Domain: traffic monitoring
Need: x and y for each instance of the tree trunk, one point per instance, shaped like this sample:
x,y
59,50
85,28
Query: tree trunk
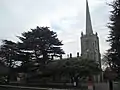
x,y
45,57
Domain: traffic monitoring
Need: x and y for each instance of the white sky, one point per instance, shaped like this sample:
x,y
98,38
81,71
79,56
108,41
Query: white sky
x,y
66,17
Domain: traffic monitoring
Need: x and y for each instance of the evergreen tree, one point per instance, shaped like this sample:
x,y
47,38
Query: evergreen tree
x,y
42,46
8,52
8,55
32,52
114,37
42,43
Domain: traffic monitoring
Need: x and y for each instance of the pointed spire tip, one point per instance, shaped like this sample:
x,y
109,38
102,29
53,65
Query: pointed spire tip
x,y
89,30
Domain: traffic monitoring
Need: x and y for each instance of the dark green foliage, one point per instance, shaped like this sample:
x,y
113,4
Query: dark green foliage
x,y
8,53
114,37
81,68
73,69
42,43
32,52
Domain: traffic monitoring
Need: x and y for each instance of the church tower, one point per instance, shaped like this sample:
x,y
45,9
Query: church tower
x,y
90,41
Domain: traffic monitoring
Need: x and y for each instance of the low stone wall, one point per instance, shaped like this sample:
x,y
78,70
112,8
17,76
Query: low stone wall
x,y
82,86
9,87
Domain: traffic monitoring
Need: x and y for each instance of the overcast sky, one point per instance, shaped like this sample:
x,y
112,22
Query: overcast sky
x,y
66,17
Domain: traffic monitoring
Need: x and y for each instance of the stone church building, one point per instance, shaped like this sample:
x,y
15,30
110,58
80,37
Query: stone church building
x,y
90,41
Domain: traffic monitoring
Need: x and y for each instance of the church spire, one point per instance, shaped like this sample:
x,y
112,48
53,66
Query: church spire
x,y
89,30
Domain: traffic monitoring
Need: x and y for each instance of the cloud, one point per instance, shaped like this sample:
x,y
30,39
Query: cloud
x,y
71,28
66,17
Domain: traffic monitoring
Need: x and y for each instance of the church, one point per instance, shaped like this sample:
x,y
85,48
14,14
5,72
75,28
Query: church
x,y
89,46
90,41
